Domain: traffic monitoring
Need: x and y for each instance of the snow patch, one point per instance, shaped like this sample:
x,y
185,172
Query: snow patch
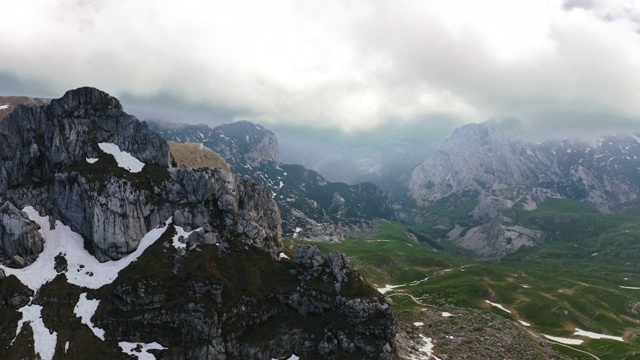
x,y
296,231
282,256
428,347
418,323
85,309
83,269
529,205
593,335
66,347
629,287
44,340
562,340
446,314
292,357
4,107
387,288
92,160
123,158
180,232
498,306
524,323
140,349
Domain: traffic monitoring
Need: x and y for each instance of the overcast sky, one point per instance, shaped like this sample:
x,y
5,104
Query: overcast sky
x,y
351,65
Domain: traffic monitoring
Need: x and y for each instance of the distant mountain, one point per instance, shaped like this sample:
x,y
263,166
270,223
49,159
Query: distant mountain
x,y
108,251
466,188
310,206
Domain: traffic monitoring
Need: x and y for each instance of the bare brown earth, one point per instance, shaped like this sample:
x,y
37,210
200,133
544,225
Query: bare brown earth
x,y
196,155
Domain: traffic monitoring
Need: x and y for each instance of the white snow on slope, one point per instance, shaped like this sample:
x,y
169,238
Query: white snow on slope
x,y
4,107
596,335
85,309
499,306
427,348
123,158
524,323
181,232
44,340
446,314
84,269
629,287
140,349
562,340
92,160
387,288
282,256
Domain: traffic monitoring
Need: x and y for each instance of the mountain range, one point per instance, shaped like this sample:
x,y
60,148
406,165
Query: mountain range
x,y
463,192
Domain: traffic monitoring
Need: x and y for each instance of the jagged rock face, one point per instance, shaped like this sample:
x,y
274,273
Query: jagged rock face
x,y
47,149
36,142
311,207
20,236
224,291
315,310
487,158
497,170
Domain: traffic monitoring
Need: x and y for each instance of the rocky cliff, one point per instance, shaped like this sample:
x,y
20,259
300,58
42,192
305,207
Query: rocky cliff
x,y
311,207
191,262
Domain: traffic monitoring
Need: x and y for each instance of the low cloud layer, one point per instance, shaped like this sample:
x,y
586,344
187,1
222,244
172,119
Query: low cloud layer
x,y
556,66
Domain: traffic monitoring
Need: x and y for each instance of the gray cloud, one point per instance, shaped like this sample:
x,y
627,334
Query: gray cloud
x,y
580,4
355,65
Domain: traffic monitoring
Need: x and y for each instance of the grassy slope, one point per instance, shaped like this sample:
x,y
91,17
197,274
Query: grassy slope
x,y
195,155
557,288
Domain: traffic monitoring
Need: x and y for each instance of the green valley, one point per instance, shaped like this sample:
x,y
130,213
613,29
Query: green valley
x,y
584,278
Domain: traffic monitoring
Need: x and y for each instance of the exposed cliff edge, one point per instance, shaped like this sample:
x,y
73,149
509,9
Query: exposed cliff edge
x,y
201,272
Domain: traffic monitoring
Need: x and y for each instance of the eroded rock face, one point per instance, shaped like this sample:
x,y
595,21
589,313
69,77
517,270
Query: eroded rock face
x,y
37,142
313,306
20,236
46,154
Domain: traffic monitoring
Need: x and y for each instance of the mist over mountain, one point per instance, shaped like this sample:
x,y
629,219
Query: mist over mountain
x,y
377,161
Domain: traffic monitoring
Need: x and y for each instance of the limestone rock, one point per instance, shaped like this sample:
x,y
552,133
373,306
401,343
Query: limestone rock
x,y
20,237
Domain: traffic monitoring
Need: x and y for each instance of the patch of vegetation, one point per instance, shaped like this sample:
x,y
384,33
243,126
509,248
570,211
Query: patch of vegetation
x,y
194,155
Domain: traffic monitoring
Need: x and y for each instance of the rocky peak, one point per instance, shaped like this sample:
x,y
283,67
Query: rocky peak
x,y
244,142
84,98
53,159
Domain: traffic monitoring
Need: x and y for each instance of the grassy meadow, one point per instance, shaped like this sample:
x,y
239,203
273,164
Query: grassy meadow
x,y
586,276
